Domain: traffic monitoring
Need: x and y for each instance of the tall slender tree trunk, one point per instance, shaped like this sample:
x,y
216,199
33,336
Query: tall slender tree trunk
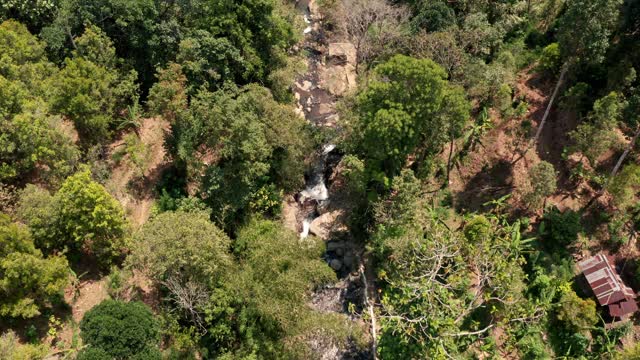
x,y
73,42
616,168
372,314
449,159
535,139
624,154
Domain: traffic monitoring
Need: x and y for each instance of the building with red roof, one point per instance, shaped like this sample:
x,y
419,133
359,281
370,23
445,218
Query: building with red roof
x,y
608,287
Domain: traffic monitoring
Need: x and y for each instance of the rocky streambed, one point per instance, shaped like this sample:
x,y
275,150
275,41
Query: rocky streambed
x,y
319,209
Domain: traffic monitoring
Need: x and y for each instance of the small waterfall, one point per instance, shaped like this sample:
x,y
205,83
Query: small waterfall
x,y
316,189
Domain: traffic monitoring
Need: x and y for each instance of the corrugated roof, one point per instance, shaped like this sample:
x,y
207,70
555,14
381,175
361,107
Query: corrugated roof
x,y
607,285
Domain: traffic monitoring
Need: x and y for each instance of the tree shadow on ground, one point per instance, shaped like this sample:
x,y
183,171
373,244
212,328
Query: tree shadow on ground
x,y
493,182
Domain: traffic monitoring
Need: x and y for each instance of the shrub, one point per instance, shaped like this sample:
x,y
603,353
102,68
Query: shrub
x,y
542,179
267,200
550,58
81,215
560,229
28,281
576,98
119,329
575,313
11,348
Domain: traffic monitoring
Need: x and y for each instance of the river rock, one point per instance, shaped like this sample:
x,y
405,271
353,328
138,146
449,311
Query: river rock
x,y
306,85
323,207
324,109
341,54
334,245
338,79
313,8
323,225
335,264
348,261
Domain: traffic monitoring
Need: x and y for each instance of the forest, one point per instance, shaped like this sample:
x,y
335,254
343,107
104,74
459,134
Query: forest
x,y
319,179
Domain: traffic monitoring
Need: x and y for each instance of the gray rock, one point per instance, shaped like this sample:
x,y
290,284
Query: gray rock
x,y
335,264
338,79
348,261
334,245
341,54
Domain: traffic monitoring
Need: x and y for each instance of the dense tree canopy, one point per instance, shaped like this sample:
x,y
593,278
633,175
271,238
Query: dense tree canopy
x,y
28,280
407,109
81,216
242,140
165,151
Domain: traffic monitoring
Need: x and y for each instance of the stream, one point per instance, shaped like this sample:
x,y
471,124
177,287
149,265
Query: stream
x,y
317,105
318,209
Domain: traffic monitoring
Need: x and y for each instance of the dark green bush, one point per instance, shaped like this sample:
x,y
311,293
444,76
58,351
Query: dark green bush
x,y
120,329
92,353
559,229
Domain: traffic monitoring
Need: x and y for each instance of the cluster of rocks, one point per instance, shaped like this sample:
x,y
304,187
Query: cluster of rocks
x,y
331,73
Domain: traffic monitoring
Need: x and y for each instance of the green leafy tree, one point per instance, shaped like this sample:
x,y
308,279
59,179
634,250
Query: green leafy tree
x,y
120,329
595,136
168,96
28,280
95,46
90,95
81,216
23,58
625,186
35,13
256,142
260,29
210,61
32,142
406,108
550,58
433,16
90,216
268,297
478,36
576,98
560,229
585,29
12,347
35,143
576,313
542,183
184,245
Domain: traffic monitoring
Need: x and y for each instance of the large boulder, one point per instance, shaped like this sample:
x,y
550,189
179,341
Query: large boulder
x,y
338,79
341,54
339,76
325,224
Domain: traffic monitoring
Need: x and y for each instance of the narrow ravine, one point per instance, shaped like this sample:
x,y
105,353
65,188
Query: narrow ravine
x,y
318,210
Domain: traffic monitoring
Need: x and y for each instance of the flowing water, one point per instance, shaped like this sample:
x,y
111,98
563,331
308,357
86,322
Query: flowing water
x,y
318,107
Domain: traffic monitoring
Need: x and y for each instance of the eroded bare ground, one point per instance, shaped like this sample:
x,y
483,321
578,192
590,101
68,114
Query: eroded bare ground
x,y
489,172
135,189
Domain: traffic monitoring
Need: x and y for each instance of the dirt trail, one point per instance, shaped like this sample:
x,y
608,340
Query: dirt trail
x,y
135,188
